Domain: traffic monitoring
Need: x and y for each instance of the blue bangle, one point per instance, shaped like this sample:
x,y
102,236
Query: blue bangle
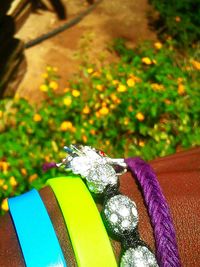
x,y
37,237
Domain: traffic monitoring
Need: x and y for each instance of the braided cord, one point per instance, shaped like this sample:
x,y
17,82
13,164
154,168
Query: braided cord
x,y
164,232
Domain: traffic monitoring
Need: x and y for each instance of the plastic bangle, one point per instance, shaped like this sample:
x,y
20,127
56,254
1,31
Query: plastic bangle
x,y
86,230
37,238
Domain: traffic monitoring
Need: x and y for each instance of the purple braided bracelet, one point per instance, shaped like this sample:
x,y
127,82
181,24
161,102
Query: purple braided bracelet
x,y
164,232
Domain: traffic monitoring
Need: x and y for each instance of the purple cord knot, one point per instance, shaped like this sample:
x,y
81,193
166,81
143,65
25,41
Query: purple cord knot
x,y
48,165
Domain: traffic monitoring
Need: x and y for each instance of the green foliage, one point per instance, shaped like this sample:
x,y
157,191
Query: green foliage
x,y
147,104
179,19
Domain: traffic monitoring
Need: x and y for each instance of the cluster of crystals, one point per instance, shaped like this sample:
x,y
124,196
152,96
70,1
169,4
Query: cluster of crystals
x,y
91,165
119,211
140,256
100,176
121,214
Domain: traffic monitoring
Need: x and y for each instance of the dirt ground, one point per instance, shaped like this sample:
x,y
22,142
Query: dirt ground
x,y
87,40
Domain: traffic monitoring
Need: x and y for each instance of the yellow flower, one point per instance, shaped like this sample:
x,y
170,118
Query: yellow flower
x,y
126,121
180,80
104,111
67,89
37,117
84,138
90,70
75,93
96,74
13,181
99,87
146,60
5,187
108,76
86,110
121,88
23,171
112,106
113,97
45,75
196,64
67,101
44,88
130,82
93,132
158,45
97,114
91,121
130,108
32,177
2,182
107,142
135,78
53,85
4,204
140,116
49,68
157,87
66,125
1,114
177,19
181,89
141,143
4,166
115,82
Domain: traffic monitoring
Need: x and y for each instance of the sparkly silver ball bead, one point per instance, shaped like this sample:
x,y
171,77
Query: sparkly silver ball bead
x,y
140,256
100,176
120,214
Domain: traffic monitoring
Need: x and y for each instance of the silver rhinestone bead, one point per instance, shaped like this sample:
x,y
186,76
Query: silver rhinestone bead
x,y
138,257
101,175
126,212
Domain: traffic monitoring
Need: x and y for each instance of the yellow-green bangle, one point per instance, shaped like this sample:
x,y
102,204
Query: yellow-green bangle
x,y
86,230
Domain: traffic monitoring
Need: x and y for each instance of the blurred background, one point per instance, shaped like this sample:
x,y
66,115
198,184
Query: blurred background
x,y
120,75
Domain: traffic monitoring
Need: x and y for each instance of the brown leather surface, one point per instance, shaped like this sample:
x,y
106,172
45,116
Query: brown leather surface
x,y
179,177
59,224
10,253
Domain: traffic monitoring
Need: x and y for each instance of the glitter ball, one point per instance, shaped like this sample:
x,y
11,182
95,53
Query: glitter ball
x,y
138,257
126,212
100,176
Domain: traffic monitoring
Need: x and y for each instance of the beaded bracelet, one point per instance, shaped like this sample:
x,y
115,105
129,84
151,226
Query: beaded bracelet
x,y
119,212
37,237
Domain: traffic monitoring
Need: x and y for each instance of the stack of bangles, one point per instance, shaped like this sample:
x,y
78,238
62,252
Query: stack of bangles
x,y
95,175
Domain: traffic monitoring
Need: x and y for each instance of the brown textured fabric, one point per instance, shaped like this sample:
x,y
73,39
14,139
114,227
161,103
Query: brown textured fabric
x,y
179,177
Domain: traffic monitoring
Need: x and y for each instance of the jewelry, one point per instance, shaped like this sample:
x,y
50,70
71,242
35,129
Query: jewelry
x,y
37,238
119,212
87,232
159,213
